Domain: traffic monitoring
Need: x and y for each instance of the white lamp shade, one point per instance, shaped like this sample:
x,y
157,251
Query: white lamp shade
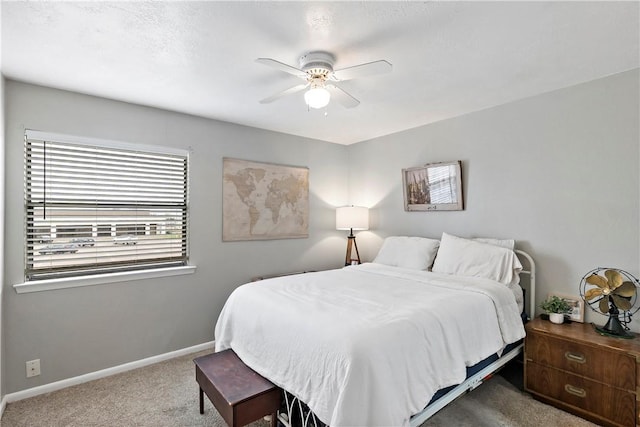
x,y
317,97
352,217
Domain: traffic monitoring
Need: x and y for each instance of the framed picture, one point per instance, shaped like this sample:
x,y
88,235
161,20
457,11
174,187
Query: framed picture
x,y
264,201
577,305
433,187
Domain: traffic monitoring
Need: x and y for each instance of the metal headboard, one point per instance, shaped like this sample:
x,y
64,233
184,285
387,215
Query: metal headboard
x,y
532,280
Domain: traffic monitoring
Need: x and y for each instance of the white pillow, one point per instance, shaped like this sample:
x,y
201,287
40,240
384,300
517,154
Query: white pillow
x,y
408,252
505,243
467,257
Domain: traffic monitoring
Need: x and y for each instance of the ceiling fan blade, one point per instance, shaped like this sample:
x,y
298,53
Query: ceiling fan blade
x,y
289,91
362,70
340,95
282,67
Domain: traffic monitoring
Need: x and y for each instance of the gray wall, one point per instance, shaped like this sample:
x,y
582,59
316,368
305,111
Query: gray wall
x,y
557,172
81,330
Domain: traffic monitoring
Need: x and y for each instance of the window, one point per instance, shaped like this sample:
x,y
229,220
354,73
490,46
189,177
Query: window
x,y
101,206
442,184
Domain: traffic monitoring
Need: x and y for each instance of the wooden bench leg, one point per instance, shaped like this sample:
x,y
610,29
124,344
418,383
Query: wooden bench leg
x,y
201,401
274,419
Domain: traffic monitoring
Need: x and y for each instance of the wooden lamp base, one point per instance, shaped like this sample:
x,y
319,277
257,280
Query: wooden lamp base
x,y
351,242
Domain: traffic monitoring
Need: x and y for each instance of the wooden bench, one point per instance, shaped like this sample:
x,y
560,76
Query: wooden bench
x,y
239,394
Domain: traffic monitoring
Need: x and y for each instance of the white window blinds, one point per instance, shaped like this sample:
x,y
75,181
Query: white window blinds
x,y
99,207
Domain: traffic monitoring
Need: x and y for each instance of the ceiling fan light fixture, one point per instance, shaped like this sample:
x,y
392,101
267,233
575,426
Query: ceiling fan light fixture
x,y
317,97
317,69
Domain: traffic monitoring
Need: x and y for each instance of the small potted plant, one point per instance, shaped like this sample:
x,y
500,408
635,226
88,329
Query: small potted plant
x,y
556,307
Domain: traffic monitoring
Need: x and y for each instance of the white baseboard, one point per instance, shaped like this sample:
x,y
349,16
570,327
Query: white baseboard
x,y
58,385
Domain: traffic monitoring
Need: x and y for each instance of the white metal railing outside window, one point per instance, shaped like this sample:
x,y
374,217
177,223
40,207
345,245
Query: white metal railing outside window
x,y
97,206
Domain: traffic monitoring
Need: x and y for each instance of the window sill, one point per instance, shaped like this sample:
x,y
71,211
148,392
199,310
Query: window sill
x,y
100,279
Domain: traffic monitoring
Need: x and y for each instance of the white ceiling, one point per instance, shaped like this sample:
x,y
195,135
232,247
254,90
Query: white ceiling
x,y
449,58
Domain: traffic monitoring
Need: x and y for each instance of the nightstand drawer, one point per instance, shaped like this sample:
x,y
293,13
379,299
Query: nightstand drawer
x,y
569,391
609,367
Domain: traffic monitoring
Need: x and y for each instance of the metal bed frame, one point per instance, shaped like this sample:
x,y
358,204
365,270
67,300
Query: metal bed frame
x,y
297,413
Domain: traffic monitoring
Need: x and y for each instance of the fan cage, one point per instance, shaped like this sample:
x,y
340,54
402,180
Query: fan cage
x,y
624,316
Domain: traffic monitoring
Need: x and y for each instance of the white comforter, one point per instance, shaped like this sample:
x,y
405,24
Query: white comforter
x,y
368,344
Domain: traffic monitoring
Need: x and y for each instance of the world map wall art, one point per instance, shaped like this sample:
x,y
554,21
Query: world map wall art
x,y
262,201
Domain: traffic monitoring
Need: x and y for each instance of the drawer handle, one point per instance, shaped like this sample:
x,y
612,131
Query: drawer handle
x,y
576,391
575,357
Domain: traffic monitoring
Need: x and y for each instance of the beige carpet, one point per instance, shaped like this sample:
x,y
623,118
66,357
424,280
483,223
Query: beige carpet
x,y
166,394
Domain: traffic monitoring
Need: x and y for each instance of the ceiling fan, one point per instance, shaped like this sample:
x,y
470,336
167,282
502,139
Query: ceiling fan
x,y
316,68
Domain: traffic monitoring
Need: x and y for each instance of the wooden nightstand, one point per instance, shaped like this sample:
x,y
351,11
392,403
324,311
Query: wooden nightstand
x,y
574,368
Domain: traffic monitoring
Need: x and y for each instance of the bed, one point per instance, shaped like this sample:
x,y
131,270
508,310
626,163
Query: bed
x,y
383,343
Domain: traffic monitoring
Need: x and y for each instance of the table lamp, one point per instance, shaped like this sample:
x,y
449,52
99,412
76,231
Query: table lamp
x,y
352,218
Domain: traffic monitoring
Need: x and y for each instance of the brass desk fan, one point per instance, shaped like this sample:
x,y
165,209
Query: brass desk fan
x,y
613,294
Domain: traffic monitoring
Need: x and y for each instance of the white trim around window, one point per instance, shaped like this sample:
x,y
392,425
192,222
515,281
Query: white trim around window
x,y
101,211
101,279
37,135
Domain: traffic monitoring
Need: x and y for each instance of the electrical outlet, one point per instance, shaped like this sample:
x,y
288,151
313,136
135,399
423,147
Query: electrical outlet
x,y
33,368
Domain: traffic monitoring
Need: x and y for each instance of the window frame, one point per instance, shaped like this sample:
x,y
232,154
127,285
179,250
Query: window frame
x,y
126,273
